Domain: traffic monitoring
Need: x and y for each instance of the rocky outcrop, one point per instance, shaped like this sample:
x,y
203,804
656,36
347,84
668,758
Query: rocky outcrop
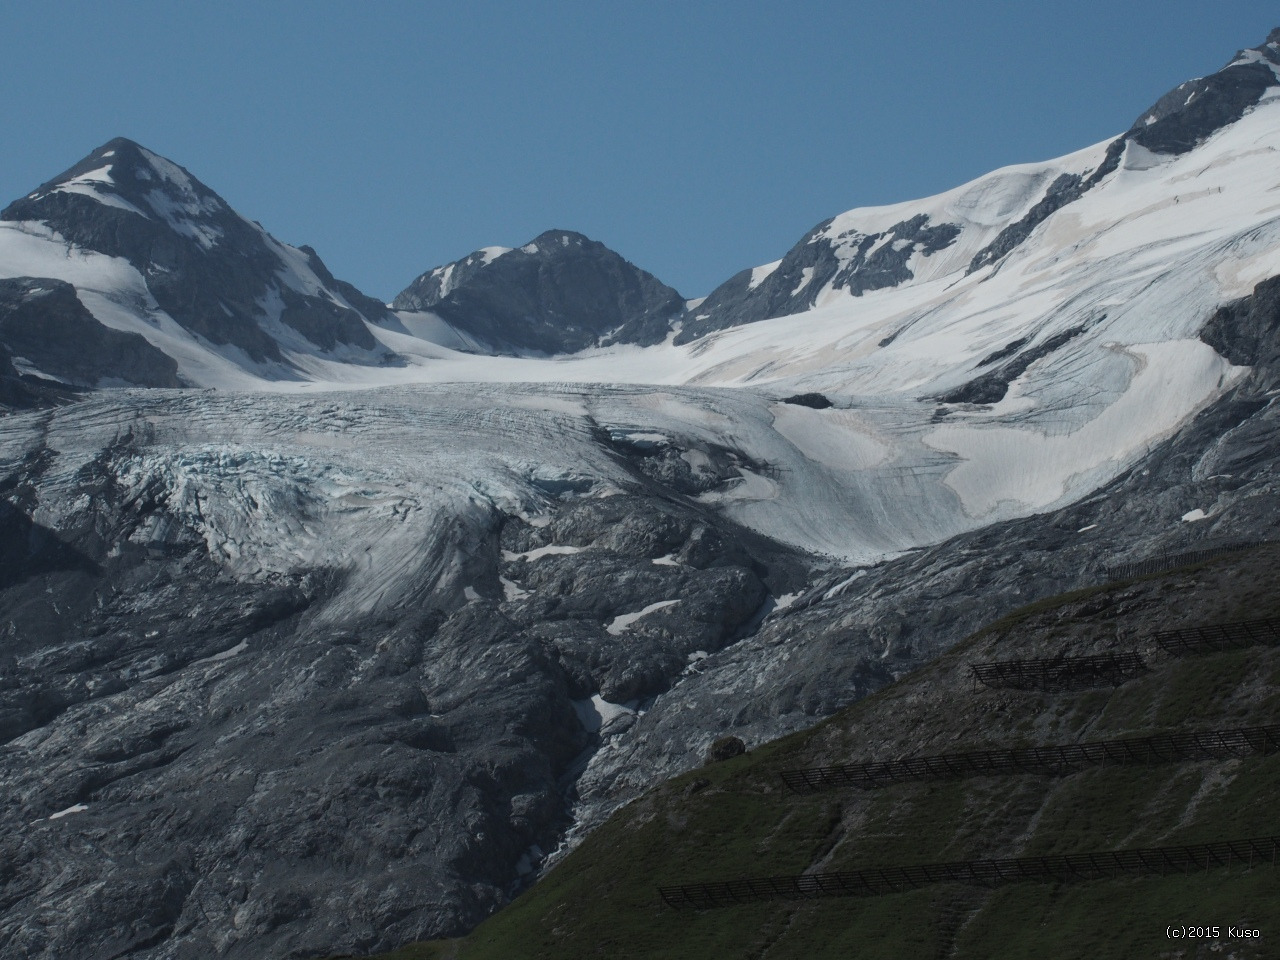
x,y
47,329
853,261
1192,112
1013,361
1187,115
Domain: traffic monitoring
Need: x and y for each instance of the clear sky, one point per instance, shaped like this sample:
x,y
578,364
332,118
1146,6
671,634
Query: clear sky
x,y
696,139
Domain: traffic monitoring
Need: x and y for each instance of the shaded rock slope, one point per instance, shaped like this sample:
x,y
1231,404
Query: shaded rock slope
x,y
47,329
208,748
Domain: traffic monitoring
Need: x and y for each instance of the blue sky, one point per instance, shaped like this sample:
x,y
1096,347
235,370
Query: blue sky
x,y
694,138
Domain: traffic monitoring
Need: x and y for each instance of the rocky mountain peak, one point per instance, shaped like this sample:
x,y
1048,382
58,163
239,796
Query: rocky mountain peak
x,y
218,275
550,242
558,293
126,176
1268,50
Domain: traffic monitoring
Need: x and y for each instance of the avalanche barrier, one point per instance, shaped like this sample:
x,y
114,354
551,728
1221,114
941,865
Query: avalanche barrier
x,y
1169,561
1223,636
986,873
1054,760
1060,673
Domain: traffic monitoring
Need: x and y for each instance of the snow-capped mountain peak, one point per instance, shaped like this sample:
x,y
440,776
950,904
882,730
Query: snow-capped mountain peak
x,y
127,176
153,251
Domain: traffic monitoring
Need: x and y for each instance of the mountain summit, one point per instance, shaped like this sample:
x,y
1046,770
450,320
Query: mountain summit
x,y
559,293
166,255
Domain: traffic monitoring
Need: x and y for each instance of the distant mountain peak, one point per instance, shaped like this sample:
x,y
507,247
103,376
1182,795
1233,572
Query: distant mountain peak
x,y
558,293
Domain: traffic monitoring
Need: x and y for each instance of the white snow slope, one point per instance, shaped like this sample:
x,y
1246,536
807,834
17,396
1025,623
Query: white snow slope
x,y
377,463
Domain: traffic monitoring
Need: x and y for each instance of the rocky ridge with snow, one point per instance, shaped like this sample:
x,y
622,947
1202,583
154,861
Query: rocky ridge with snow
x,y
45,328
334,657
863,250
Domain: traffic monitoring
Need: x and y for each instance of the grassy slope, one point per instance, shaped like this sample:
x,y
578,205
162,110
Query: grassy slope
x,y
735,818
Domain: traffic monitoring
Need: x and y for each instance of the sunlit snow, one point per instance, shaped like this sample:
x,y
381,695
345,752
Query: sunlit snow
x,y
74,808
553,550
596,712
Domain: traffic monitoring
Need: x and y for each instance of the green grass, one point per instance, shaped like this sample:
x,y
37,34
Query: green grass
x,y
1120,918
1048,604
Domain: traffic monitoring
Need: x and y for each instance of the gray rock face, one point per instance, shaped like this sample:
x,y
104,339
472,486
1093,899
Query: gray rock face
x,y
200,763
559,293
215,273
44,324
1065,189
1247,332
877,261
1193,111
21,391
992,385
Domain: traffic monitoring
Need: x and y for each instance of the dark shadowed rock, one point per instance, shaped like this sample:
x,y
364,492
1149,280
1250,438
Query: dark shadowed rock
x,y
1247,332
725,748
991,387
43,323
815,401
